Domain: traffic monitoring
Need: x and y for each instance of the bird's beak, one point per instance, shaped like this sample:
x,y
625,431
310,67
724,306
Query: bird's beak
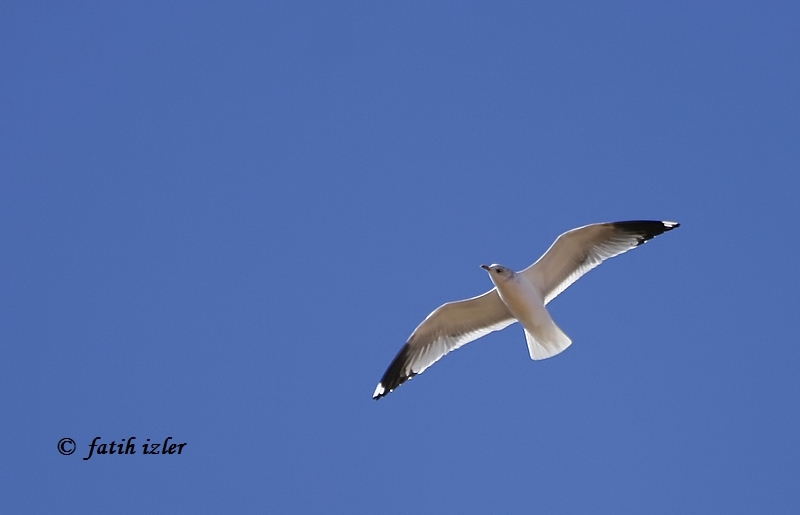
x,y
485,267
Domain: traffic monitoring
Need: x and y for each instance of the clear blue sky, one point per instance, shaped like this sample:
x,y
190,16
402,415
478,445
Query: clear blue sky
x,y
220,222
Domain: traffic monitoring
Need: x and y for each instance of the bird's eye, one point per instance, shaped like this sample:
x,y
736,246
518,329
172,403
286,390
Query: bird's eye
x,y
498,271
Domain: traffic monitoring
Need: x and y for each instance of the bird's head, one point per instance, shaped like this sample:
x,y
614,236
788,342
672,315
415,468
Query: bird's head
x,y
498,273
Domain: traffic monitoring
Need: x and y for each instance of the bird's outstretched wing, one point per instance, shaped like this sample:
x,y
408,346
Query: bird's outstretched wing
x,y
449,327
577,251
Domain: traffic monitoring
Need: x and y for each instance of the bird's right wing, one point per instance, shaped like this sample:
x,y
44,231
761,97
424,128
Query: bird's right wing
x,y
449,327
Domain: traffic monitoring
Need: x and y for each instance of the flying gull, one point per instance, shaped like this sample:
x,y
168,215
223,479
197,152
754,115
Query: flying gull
x,y
518,297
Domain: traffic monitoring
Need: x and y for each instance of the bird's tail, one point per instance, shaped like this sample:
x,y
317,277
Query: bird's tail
x,y
546,340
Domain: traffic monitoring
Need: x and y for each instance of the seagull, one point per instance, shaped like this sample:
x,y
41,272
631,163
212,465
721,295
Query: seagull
x,y
518,297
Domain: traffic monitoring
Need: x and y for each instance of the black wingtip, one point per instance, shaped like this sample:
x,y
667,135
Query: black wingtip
x,y
645,229
395,375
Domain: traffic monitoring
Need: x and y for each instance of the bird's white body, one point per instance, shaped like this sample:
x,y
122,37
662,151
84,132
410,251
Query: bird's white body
x,y
526,303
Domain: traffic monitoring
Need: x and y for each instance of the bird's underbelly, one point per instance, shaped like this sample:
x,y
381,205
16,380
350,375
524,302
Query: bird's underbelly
x,y
523,302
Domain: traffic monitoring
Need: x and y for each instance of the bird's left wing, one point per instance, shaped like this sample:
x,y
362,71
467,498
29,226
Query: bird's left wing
x,y
449,327
577,251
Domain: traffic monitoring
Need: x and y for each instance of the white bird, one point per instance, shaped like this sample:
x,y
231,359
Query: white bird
x,y
518,297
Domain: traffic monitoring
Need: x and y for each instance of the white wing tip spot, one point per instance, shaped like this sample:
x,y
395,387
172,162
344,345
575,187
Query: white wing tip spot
x,y
379,390
669,224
